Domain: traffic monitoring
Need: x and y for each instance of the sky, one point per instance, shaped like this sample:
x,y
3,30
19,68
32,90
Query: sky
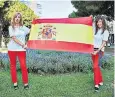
x,y
56,9
53,8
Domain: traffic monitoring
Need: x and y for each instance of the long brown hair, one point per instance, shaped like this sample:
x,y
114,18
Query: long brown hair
x,y
103,24
13,20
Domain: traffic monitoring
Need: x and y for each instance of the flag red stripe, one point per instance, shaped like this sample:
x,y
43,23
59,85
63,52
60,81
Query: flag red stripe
x,y
81,20
60,46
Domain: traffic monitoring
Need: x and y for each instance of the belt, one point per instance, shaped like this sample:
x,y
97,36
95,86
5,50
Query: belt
x,y
96,48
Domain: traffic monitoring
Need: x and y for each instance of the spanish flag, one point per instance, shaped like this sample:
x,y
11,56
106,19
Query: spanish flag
x,y
62,34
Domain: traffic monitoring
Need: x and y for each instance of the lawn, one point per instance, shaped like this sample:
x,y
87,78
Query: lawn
x,y
60,85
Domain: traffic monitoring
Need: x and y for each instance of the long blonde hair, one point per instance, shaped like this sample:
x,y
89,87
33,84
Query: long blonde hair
x,y
13,20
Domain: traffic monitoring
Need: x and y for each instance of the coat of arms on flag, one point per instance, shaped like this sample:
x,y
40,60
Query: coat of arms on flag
x,y
47,32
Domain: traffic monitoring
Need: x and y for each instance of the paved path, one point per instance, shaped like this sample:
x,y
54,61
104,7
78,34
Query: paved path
x,y
109,50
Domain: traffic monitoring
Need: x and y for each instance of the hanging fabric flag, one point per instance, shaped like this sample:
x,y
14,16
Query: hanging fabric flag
x,y
63,34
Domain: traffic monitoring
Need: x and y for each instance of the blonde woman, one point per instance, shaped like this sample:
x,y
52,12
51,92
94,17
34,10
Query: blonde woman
x,y
17,48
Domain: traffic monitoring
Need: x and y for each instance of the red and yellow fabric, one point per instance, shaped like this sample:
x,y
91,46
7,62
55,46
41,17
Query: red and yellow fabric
x,y
64,34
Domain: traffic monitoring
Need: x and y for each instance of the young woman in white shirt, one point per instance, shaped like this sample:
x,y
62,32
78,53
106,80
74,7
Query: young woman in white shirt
x,y
17,48
100,38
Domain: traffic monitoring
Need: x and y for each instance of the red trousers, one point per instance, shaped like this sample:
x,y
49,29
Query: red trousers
x,y
22,59
96,68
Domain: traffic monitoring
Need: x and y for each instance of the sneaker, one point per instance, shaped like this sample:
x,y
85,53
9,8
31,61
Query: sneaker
x,y
101,84
26,87
96,89
16,87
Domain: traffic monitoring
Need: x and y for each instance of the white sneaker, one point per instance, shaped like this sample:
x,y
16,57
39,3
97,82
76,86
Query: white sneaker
x,y
96,88
101,84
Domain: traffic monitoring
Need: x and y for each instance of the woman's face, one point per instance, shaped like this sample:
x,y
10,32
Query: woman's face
x,y
99,23
17,19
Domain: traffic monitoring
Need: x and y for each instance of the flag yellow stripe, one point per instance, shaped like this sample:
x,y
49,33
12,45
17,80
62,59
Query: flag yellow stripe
x,y
67,32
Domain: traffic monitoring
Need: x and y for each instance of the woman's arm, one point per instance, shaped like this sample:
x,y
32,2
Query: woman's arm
x,y
26,30
13,36
102,45
17,41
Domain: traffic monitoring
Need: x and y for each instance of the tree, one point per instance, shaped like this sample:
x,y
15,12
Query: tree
x,y
1,6
17,6
73,14
1,3
87,8
7,10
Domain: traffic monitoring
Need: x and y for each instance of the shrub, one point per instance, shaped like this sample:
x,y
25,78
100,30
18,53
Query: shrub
x,y
53,62
108,62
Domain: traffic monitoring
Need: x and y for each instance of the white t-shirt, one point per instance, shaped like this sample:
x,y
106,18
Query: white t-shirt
x,y
98,38
19,33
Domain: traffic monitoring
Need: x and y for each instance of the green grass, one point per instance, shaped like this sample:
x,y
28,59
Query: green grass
x,y
63,85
